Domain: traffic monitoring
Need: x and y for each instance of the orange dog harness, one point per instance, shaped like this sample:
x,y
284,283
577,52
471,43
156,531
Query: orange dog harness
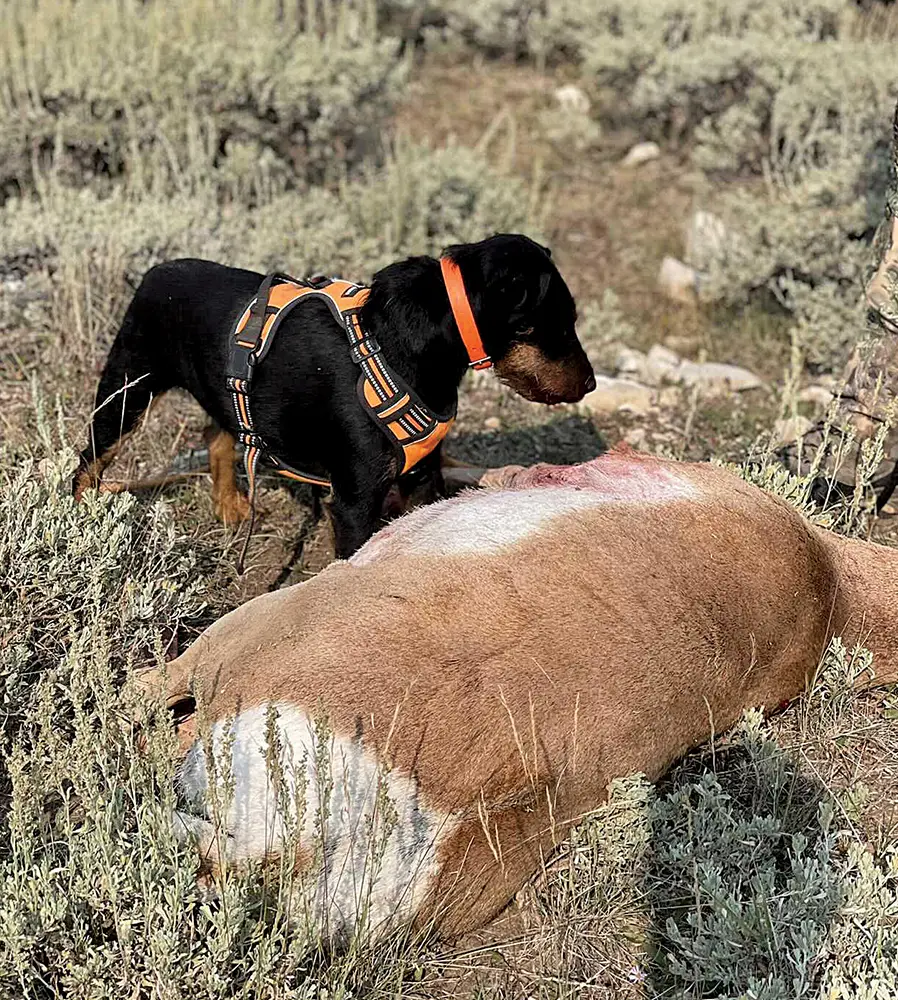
x,y
413,428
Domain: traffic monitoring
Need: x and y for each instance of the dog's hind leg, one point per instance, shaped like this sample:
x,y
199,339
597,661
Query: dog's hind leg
x,y
231,506
132,378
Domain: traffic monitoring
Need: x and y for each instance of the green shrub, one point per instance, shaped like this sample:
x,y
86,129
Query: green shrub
x,y
418,202
99,896
735,877
109,571
775,89
108,87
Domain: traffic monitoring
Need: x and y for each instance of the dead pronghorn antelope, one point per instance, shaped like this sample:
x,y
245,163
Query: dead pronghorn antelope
x,y
490,663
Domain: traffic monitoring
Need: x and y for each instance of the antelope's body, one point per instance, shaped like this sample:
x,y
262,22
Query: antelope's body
x,y
490,663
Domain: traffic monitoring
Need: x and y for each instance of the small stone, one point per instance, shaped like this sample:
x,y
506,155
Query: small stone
x,y
572,98
819,395
492,424
789,430
682,343
678,281
713,377
661,365
635,437
613,394
641,153
629,362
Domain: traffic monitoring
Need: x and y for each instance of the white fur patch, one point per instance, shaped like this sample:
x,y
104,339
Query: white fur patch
x,y
492,520
371,841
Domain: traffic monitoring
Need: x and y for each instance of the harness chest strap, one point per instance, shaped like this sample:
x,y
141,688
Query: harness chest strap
x,y
413,428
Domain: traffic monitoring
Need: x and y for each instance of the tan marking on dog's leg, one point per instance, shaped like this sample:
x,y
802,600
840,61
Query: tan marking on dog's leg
x,y
231,506
91,476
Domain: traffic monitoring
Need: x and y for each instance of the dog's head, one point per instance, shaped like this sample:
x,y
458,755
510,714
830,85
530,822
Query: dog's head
x,y
526,316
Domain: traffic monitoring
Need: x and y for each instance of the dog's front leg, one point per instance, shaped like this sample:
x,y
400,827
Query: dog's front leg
x,y
231,506
356,511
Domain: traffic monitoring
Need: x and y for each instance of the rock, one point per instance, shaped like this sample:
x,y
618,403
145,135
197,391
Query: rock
x,y
678,281
492,424
682,343
819,395
572,98
712,377
661,365
641,153
630,362
670,397
789,430
635,437
706,240
612,394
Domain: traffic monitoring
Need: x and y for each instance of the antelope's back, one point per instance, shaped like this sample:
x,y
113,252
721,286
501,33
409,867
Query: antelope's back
x,y
625,586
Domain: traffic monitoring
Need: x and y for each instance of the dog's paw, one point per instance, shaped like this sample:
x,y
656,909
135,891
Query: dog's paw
x,y
232,508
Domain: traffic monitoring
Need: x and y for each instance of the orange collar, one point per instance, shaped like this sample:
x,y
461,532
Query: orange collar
x,y
464,317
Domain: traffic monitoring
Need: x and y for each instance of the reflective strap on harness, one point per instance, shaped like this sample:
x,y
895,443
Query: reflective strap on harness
x,y
243,358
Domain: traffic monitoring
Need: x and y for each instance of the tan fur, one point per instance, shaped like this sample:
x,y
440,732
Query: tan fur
x,y
535,377
605,644
91,477
231,506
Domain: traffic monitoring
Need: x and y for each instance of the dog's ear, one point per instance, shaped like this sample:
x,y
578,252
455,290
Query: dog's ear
x,y
514,292
522,296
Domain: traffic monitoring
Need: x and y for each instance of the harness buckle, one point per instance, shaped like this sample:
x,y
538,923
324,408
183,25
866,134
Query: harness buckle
x,y
250,439
485,362
241,384
371,346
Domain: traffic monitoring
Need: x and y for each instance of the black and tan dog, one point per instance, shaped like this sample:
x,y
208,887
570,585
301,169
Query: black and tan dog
x,y
360,413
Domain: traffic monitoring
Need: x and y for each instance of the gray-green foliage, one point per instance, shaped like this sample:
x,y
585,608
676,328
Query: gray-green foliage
x,y
420,201
785,91
752,915
749,81
805,243
109,86
108,573
749,883
99,896
603,328
789,94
